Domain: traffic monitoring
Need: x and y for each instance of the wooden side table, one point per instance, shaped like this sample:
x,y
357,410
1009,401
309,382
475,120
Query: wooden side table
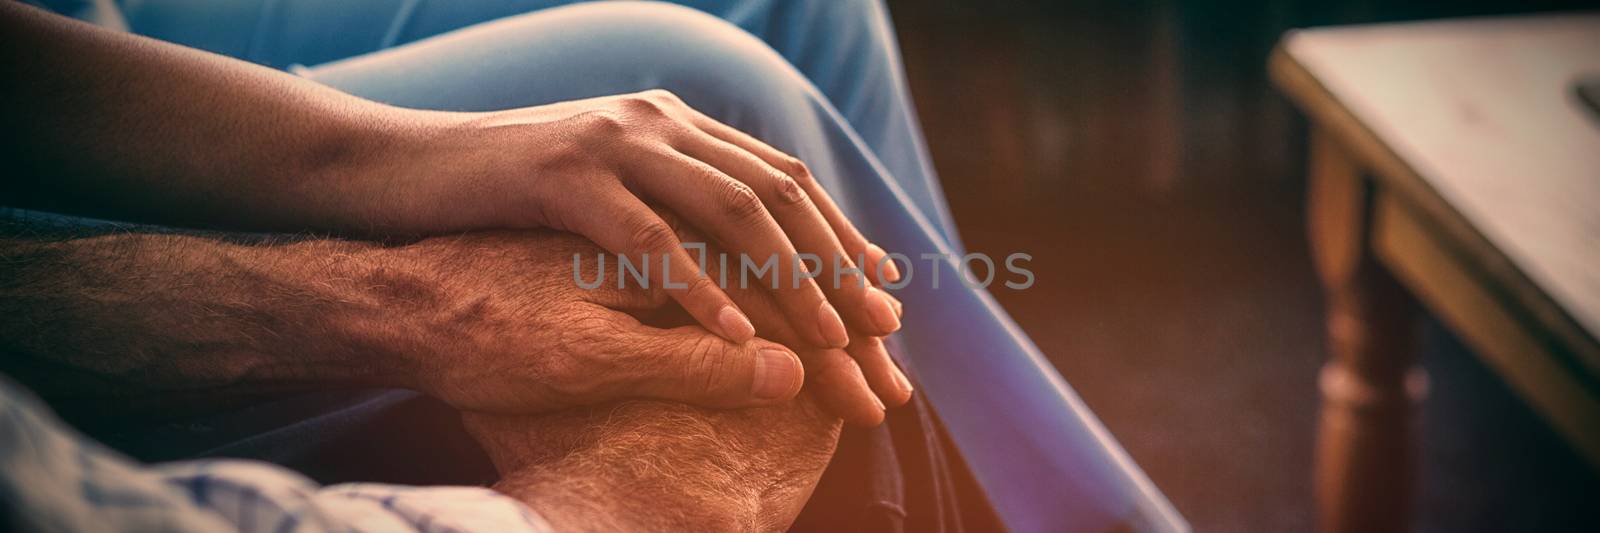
x,y
1452,166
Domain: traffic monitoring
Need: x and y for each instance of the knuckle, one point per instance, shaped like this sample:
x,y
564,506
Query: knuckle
x,y
644,105
797,169
654,236
572,380
578,370
663,97
705,365
789,190
741,202
605,123
566,372
700,289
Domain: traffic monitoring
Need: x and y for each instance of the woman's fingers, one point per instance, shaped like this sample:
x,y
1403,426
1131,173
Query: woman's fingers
x,y
856,391
655,253
732,213
768,318
881,267
836,379
885,378
844,283
849,237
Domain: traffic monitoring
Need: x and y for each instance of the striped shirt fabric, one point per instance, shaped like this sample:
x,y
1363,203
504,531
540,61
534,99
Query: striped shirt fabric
x,y
54,479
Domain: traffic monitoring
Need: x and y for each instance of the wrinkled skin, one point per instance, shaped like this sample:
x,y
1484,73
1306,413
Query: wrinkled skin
x,y
654,466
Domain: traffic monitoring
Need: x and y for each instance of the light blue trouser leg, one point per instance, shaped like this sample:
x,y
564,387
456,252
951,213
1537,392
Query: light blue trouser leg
x,y
1042,458
846,48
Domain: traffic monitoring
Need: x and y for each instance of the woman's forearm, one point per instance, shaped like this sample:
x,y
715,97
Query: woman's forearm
x,y
119,126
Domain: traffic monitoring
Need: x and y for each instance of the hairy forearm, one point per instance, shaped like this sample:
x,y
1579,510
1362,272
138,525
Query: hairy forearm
x,y
120,126
660,466
679,472
150,316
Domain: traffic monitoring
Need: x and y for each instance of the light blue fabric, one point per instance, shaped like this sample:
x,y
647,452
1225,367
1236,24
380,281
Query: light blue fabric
x,y
819,79
105,13
52,479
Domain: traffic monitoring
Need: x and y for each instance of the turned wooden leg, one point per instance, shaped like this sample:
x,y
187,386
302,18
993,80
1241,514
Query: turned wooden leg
x,y
1370,385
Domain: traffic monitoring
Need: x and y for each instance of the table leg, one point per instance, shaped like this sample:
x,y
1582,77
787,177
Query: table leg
x,y
1370,385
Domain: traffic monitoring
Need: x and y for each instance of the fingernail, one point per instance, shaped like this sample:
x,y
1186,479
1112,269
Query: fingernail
x,y
891,271
831,327
735,325
899,308
882,311
776,374
905,383
878,401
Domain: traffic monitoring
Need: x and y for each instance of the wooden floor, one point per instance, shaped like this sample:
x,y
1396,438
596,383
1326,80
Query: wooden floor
x,y
1136,150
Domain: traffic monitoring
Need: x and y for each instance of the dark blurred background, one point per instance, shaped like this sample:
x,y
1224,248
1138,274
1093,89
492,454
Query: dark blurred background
x,y
1138,151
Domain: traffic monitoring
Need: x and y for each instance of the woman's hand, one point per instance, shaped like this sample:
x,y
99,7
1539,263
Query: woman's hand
x,y
596,167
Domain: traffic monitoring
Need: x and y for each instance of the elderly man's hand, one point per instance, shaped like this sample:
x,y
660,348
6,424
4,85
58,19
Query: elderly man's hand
x,y
531,339
505,327
652,466
485,321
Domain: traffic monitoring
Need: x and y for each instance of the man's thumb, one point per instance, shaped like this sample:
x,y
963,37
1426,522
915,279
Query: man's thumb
x,y
700,368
